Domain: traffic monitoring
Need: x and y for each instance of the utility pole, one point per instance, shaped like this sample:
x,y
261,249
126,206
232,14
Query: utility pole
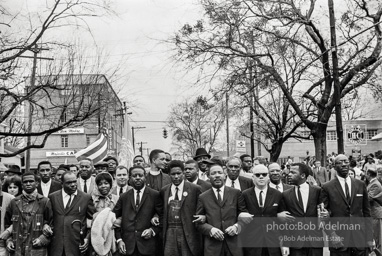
x,y
141,147
35,51
336,80
227,121
132,134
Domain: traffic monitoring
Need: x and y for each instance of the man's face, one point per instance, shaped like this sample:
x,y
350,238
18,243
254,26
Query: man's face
x,y
341,165
59,174
294,176
138,178
176,175
29,184
260,177
86,169
370,160
167,160
247,163
70,183
190,172
275,174
112,165
202,166
121,177
217,176
159,162
100,169
74,170
45,172
139,161
317,164
233,169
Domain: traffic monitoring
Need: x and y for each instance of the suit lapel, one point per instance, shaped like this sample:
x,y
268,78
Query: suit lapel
x,y
213,195
353,190
166,197
60,201
185,189
253,198
74,202
268,198
144,196
225,195
310,197
337,184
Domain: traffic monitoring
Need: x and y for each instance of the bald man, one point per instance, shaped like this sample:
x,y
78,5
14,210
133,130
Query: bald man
x,y
274,170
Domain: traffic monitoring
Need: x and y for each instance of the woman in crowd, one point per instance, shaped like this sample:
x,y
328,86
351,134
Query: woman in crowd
x,y
12,185
102,234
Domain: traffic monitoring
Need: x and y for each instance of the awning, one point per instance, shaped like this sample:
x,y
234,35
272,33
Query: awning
x,y
377,137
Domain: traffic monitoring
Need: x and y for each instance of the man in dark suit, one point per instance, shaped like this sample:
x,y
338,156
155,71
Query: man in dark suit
x,y
70,204
263,202
275,178
320,174
180,200
156,179
86,181
137,236
221,205
47,184
233,179
345,197
300,203
121,181
191,171
200,155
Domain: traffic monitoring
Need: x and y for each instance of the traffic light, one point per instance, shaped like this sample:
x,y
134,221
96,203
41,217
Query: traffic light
x,y
164,133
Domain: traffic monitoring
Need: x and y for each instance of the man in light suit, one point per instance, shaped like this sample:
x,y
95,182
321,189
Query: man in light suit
x,y
345,197
191,172
221,205
180,200
374,190
320,174
70,204
301,202
275,178
233,179
86,181
263,202
47,184
137,235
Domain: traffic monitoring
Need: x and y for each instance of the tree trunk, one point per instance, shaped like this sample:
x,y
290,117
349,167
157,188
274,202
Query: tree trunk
x,y
319,135
275,151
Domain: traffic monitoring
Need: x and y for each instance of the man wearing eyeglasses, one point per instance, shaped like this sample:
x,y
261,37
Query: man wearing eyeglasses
x,y
47,185
346,199
234,180
263,202
275,178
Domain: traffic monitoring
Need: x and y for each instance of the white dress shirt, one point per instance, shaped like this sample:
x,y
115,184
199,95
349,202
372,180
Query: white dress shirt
x,y
280,186
304,189
82,184
203,176
342,182
124,188
140,194
45,187
257,192
196,181
173,190
236,183
65,197
221,192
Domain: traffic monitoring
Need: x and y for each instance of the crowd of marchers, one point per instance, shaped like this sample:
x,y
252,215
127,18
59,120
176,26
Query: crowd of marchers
x,y
202,206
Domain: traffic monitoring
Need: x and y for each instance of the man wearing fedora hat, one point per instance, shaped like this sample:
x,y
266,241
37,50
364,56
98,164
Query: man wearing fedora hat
x,y
13,170
200,155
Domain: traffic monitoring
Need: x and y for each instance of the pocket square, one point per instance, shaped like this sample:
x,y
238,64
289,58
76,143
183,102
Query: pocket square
x,y
359,195
275,205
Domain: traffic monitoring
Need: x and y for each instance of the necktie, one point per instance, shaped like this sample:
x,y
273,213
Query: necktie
x,y
176,193
233,184
121,191
138,200
219,196
300,198
68,203
347,192
85,187
261,199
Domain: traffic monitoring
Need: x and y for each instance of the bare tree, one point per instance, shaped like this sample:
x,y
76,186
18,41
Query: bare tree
x,y
300,31
195,125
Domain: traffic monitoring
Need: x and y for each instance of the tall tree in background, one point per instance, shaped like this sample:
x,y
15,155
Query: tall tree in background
x,y
196,124
301,30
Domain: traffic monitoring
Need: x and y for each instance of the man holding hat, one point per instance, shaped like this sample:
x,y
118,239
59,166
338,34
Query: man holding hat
x,y
200,155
